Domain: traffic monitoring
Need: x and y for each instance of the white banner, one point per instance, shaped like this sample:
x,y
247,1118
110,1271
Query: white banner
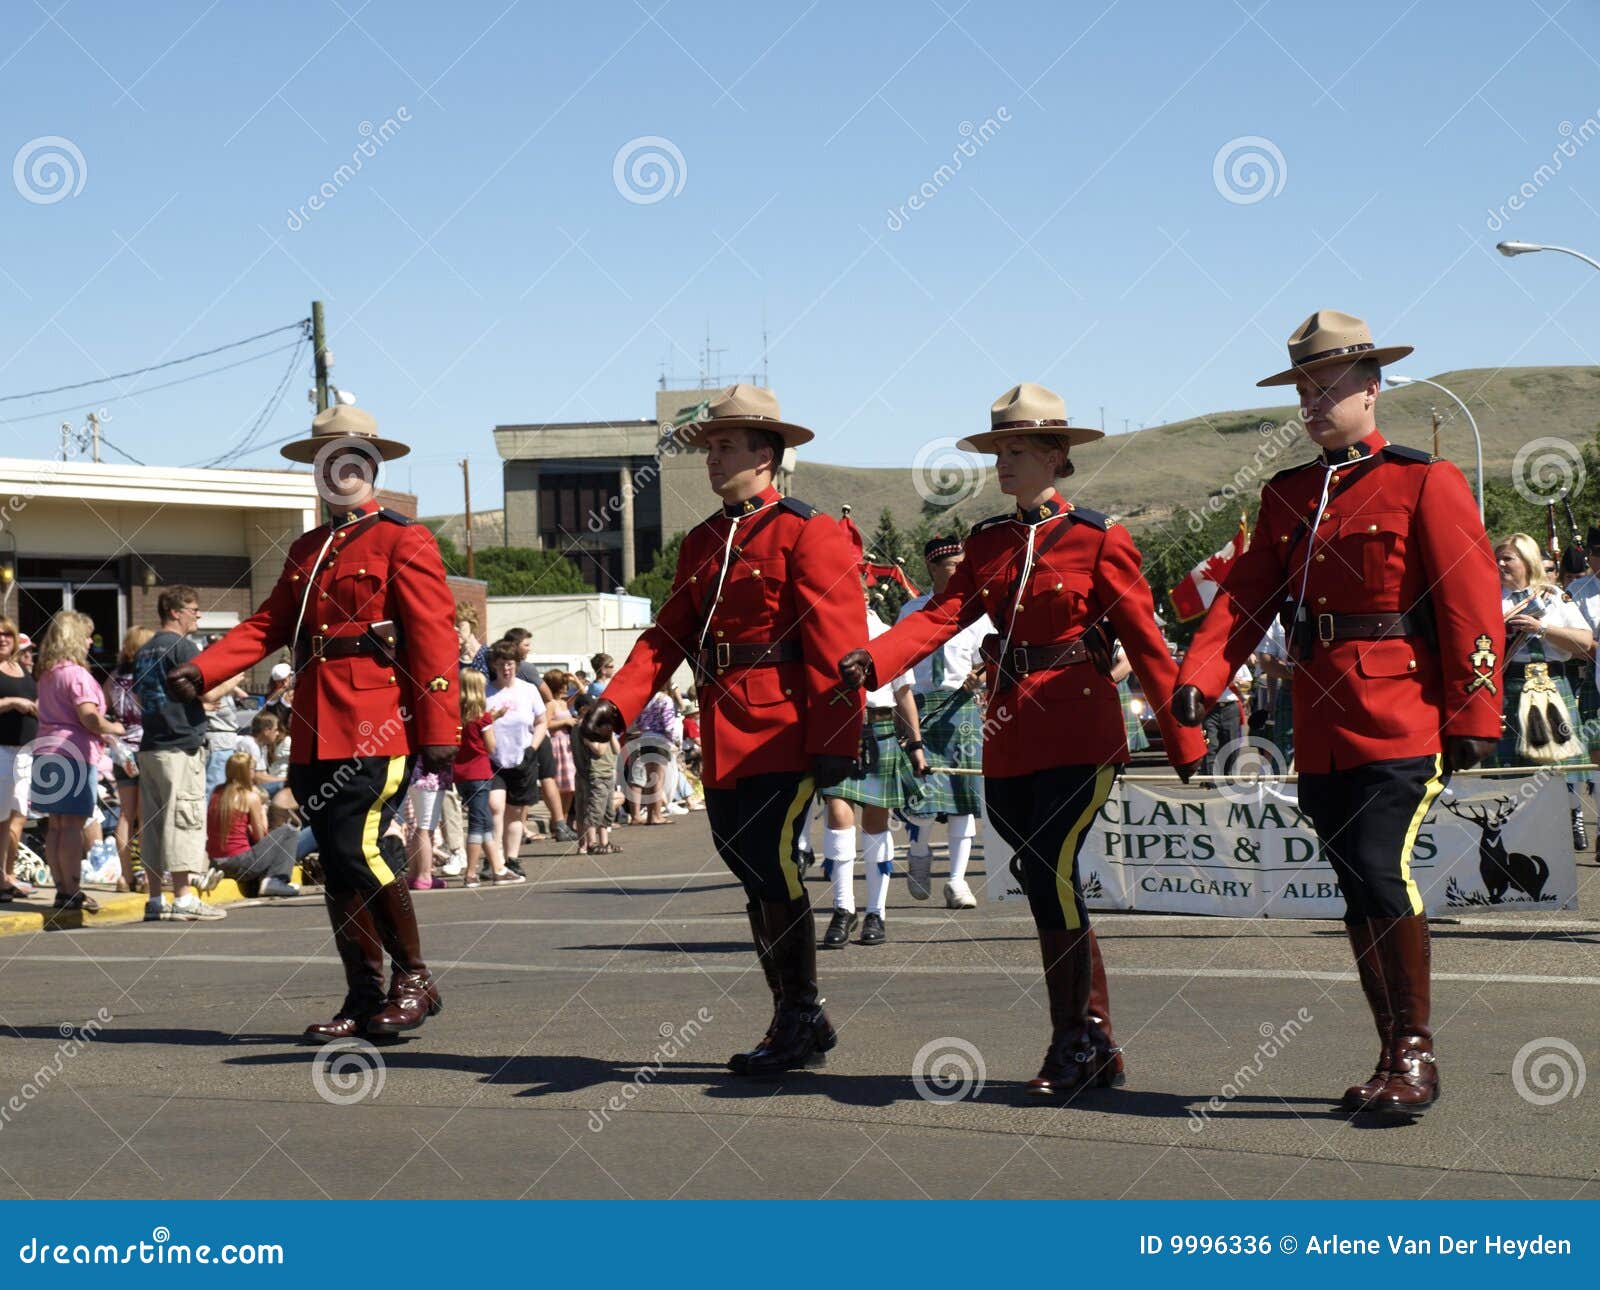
x,y
1248,852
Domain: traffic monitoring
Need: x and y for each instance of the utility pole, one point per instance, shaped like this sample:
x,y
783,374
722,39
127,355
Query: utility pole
x,y
94,436
1102,418
466,489
319,354
1437,421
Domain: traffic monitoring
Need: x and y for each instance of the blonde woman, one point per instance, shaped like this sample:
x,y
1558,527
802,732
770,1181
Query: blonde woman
x,y
238,842
72,724
19,725
123,705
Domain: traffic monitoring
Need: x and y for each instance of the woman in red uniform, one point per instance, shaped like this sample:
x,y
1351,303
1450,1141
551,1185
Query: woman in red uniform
x,y
1059,582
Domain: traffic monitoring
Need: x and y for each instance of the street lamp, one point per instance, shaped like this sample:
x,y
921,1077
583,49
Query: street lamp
x,y
1522,248
1477,439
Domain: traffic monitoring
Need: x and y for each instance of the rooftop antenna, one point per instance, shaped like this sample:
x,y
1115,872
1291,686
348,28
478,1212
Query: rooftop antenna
x,y
711,369
766,382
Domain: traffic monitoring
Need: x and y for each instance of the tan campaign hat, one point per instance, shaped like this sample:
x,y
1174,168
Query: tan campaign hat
x,y
750,407
1028,409
1329,336
343,422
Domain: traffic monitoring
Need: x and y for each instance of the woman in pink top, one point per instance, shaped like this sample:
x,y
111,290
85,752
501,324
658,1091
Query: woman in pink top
x,y
66,755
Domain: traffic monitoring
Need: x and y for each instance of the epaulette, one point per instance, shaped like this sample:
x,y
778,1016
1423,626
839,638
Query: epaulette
x,y
1407,454
803,509
1291,470
394,517
1096,519
991,522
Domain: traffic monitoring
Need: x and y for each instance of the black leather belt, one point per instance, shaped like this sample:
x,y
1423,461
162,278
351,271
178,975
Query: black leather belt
x,y
1020,660
714,662
379,640
1326,628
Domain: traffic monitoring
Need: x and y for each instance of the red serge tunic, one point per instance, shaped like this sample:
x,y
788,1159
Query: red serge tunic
x,y
1373,528
367,566
764,570
1079,568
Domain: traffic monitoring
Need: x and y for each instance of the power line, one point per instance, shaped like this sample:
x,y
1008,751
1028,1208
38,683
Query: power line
x,y
268,409
165,385
155,367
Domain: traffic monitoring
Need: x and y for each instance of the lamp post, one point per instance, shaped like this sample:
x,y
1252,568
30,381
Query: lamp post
x,y
1523,248
1477,439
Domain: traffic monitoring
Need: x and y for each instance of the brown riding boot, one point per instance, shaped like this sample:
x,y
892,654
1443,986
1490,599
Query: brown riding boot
x,y
413,996
1404,956
1073,1060
1100,1011
355,935
801,1032
1358,1097
758,932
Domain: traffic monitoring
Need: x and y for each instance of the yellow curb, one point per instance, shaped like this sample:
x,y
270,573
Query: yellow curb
x,y
116,908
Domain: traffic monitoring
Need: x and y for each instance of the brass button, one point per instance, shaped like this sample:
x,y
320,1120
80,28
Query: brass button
x,y
719,633
324,626
1322,600
1087,690
1320,557
1058,586
787,692
721,670
360,570
1372,528
294,577
694,577
1335,479
1023,643
324,595
1284,538
1411,663
391,678
755,573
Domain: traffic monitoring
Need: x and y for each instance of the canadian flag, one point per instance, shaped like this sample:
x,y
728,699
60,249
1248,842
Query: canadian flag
x,y
1194,594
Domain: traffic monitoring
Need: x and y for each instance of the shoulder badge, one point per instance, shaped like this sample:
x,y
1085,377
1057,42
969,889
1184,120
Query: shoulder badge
x,y
394,517
794,505
1401,453
439,683
1095,519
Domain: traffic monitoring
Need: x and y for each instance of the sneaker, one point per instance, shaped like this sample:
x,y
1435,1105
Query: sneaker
x,y
957,895
677,808
157,911
212,877
919,869
191,909
564,832
455,864
277,887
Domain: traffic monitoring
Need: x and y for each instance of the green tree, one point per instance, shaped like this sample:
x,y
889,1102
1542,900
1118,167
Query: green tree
x,y
1175,548
656,581
516,570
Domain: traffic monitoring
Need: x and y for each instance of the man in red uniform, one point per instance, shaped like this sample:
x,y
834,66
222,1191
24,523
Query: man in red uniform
x,y
765,597
1058,581
363,602
1376,559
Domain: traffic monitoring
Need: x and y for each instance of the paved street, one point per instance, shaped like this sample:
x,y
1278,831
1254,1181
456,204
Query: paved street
x,y
561,992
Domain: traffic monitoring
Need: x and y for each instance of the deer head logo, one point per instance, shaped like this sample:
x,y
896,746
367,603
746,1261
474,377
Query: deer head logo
x,y
1498,869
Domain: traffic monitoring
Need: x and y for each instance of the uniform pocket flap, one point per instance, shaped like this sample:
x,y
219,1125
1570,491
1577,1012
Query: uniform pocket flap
x,y
1385,658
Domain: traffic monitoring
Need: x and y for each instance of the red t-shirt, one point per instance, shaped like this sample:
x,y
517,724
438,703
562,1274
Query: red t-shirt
x,y
238,840
472,758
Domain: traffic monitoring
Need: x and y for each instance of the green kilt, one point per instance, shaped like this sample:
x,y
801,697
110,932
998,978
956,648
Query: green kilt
x,y
1132,726
1505,753
891,782
952,735
1589,710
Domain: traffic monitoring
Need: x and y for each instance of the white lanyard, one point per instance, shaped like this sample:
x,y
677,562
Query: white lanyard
x,y
316,567
722,576
1016,603
1311,540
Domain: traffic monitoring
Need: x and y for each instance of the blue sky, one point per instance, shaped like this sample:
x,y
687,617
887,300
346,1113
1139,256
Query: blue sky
x,y
485,266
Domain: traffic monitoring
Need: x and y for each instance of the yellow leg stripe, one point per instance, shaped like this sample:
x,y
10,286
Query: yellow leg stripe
x,y
791,821
369,829
1069,848
1430,791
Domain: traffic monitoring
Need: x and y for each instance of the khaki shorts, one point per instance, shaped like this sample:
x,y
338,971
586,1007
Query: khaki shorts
x,y
172,811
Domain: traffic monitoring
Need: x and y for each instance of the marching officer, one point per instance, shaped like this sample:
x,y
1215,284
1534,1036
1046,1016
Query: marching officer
x,y
363,602
764,599
1376,560
1059,581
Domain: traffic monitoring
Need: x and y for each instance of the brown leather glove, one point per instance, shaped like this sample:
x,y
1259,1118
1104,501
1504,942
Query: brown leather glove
x,y
601,721
185,683
437,758
1188,705
1462,752
856,669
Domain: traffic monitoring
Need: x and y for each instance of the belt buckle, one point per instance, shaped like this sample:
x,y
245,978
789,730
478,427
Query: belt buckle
x,y
316,646
1019,660
1325,628
724,654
